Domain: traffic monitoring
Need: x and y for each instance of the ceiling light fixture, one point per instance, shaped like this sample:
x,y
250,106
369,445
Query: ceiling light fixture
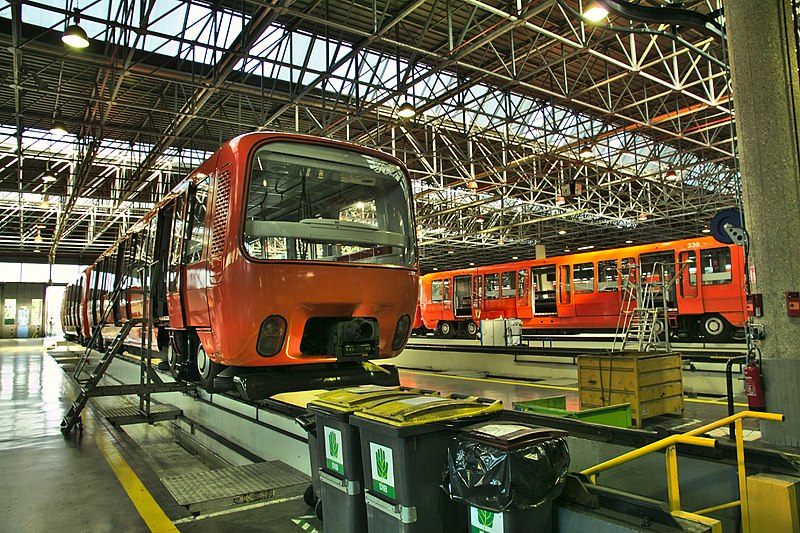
x,y
706,230
48,177
38,237
594,12
629,241
567,250
74,35
472,184
515,258
642,216
586,151
671,175
406,110
589,247
58,129
562,232
560,200
479,218
37,251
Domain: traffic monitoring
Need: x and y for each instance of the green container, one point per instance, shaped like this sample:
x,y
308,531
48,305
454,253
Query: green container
x,y
613,415
404,452
337,452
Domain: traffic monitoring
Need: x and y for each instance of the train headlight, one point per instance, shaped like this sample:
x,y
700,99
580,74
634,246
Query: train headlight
x,y
401,332
271,335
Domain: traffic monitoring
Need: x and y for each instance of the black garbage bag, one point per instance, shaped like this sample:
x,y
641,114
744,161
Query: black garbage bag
x,y
500,480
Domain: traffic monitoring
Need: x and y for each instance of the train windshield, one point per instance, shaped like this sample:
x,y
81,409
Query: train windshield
x,y
320,203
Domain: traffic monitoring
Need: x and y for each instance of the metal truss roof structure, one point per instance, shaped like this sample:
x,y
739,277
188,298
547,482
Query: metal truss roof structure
x,y
533,126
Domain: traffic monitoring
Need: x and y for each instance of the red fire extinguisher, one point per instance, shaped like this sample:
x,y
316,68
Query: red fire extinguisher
x,y
754,386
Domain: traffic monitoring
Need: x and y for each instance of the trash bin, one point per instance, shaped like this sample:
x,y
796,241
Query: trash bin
x,y
404,446
336,454
509,474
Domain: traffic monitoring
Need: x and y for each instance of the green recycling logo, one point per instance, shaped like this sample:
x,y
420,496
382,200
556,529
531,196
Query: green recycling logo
x,y
383,466
483,521
333,449
382,469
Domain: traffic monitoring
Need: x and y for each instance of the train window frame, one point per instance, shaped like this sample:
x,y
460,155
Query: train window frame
x,y
584,281
330,240
721,277
564,284
688,279
511,284
436,291
446,290
196,214
495,293
523,287
606,283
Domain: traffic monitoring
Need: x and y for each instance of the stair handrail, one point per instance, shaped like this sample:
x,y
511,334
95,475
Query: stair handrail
x,y
691,437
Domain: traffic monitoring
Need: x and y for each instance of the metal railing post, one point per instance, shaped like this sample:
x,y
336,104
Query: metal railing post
x,y
673,486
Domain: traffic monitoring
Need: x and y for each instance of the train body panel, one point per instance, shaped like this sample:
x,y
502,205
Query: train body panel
x,y
319,233
586,291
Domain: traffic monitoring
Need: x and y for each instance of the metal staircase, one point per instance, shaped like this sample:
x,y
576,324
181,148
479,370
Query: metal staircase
x,y
149,380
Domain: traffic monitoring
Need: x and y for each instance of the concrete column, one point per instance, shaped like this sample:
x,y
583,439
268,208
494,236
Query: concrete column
x,y
540,251
766,91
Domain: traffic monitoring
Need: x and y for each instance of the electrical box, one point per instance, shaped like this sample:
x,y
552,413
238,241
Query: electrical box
x,y
793,303
755,305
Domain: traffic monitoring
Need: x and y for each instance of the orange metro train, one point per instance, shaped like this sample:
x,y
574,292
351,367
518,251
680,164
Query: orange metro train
x,y
280,251
585,291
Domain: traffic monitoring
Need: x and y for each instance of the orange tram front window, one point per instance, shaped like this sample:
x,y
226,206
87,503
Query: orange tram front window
x,y
308,202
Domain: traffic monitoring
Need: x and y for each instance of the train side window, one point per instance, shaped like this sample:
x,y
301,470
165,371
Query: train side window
x,y
565,285
522,283
197,222
491,286
436,290
607,276
446,290
584,277
508,285
178,227
688,274
716,266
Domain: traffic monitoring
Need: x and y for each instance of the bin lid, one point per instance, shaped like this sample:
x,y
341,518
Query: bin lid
x,y
357,398
508,435
427,410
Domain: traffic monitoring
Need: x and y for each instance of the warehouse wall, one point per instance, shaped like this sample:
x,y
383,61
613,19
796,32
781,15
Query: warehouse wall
x,y
23,310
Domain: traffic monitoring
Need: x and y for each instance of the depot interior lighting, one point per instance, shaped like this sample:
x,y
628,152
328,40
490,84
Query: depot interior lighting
x,y
642,216
406,110
58,128
588,247
472,184
560,200
562,232
706,230
586,151
38,237
75,36
629,241
594,12
671,175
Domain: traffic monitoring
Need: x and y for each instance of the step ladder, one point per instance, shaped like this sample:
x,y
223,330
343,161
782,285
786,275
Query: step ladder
x,y
643,322
149,380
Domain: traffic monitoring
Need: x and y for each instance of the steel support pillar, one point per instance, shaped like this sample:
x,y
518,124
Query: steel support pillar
x,y
766,88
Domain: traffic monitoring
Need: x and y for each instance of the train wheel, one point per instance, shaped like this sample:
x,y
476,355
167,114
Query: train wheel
x,y
446,329
715,328
207,369
472,328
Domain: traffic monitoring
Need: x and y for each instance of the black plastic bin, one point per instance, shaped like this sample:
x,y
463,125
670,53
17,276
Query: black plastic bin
x,y
336,454
404,451
509,474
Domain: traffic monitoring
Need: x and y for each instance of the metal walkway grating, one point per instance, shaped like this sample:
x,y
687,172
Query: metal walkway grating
x,y
226,487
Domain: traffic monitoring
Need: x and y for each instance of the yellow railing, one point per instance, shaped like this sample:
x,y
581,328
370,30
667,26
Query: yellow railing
x,y
691,437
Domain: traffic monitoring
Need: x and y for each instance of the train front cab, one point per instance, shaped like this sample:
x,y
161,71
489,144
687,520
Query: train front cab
x,y
282,248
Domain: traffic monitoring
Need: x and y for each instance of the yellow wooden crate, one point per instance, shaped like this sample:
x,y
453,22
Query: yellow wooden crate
x,y
652,382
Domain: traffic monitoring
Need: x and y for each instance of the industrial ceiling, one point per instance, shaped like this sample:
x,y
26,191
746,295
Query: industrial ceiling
x,y
532,126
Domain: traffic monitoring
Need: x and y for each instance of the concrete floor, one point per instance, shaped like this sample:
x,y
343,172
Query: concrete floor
x,y
52,482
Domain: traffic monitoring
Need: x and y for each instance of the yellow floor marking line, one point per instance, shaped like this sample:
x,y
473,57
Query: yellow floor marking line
x,y
527,384
153,515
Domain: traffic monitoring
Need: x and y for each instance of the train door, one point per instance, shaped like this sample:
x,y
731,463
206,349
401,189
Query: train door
x,y
462,296
688,291
447,300
651,273
477,295
524,301
720,292
177,318
565,307
607,300
195,263
543,290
